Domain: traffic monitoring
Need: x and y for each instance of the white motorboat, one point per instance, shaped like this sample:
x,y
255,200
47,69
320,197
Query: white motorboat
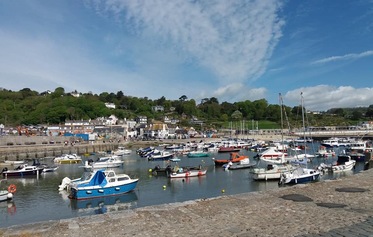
x,y
98,183
300,175
122,151
242,164
270,172
68,159
112,161
22,170
7,193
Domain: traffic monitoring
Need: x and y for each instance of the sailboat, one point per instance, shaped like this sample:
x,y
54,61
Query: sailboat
x,y
300,174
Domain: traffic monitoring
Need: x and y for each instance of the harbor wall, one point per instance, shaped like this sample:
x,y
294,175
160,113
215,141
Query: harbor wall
x,y
23,152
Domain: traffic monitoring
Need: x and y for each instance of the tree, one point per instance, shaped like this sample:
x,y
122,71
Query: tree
x,y
237,115
183,98
58,92
356,115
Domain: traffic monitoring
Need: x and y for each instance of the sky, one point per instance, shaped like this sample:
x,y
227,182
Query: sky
x,y
232,50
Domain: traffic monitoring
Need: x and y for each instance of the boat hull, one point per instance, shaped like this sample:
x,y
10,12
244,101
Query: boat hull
x,y
306,179
5,195
228,149
97,191
16,173
238,166
70,162
197,155
188,174
167,157
345,167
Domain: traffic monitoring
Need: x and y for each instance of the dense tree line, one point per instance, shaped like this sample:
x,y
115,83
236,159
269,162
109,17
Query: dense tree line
x,y
28,107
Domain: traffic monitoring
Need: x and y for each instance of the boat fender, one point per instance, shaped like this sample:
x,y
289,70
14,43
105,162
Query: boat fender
x,y
12,188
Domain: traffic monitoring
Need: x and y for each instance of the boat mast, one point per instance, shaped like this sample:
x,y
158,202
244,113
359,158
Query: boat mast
x,y
304,127
282,120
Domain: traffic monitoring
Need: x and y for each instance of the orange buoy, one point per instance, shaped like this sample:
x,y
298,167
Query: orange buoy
x,y
12,188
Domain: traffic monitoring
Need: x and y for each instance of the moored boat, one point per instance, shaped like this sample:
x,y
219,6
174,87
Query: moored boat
x,y
7,193
344,163
242,164
197,154
228,149
187,173
98,183
163,155
121,151
68,159
270,171
112,161
22,170
300,175
48,169
234,157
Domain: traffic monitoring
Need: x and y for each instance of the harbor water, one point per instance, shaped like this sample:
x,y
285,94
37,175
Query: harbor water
x,y
38,199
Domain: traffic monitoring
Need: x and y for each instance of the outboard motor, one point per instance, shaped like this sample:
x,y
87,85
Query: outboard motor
x,y
4,169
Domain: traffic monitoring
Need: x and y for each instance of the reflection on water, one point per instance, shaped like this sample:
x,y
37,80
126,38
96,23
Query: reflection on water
x,y
7,210
105,204
42,196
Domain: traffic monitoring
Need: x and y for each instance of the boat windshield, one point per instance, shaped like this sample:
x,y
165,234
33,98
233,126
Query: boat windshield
x,y
86,176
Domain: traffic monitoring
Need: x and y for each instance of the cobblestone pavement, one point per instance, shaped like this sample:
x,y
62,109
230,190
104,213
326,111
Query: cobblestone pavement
x,y
341,207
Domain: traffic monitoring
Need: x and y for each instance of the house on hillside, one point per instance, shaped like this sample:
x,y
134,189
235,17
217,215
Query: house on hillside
x,y
156,130
158,108
141,120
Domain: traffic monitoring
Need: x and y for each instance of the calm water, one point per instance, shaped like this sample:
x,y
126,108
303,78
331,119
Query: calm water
x,y
39,199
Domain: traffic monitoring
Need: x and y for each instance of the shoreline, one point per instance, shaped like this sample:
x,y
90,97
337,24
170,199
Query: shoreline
x,y
263,213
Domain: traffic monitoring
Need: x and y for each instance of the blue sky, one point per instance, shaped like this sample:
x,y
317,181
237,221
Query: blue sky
x,y
232,50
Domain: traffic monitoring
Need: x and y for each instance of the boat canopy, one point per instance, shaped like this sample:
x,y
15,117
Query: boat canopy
x,y
97,179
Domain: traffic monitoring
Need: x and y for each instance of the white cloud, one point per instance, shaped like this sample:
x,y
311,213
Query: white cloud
x,y
346,57
324,97
239,92
233,39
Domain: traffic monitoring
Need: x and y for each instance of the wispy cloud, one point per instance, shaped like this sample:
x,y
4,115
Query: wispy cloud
x,y
324,97
352,56
233,39
239,92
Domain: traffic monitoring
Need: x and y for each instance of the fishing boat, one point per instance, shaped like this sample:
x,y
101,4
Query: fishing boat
x,y
187,173
68,159
163,155
234,157
98,183
228,149
175,159
198,154
299,175
6,193
22,170
271,154
270,171
242,164
112,161
48,169
324,152
121,151
344,163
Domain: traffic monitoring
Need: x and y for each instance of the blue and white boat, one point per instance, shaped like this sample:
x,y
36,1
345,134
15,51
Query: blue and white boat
x,y
98,183
300,175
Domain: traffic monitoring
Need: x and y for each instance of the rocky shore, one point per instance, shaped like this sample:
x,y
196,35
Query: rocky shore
x,y
341,207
